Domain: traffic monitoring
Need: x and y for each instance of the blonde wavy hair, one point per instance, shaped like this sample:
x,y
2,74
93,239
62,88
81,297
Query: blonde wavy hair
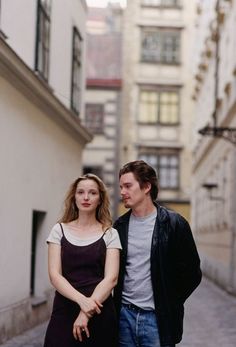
x,y
71,211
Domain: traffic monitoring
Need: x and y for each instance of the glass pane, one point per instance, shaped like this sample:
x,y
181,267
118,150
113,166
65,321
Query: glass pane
x,y
151,2
163,177
148,109
169,171
169,107
170,46
94,117
170,2
151,46
163,160
150,159
173,178
173,161
76,74
46,4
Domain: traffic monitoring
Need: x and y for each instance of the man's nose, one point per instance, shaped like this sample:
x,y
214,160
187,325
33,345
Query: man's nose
x,y
122,191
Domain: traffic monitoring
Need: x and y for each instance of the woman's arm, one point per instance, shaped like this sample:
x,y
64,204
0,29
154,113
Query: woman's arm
x,y
88,305
104,288
101,292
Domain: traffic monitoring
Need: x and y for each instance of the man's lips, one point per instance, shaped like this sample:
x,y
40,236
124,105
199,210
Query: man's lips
x,y
125,198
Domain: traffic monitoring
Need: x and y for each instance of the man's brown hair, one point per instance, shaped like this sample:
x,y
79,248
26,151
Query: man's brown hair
x,y
144,174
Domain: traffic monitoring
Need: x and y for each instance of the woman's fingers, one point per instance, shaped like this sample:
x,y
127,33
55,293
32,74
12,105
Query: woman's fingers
x,y
75,333
99,305
86,331
78,332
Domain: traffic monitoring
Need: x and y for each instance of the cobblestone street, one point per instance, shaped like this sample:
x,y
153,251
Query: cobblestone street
x,y
210,321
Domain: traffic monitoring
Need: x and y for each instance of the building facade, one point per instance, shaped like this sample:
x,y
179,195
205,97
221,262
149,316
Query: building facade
x,y
41,143
157,106
103,97
214,167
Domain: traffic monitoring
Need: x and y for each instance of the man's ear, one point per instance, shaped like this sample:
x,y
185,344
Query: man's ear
x,y
147,187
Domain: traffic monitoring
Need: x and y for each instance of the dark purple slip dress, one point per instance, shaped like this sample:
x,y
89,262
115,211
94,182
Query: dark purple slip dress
x,y
83,267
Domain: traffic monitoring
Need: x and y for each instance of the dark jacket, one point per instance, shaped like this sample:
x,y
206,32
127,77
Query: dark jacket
x,y
175,270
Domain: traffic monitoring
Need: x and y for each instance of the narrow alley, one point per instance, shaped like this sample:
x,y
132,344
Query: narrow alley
x,y
210,316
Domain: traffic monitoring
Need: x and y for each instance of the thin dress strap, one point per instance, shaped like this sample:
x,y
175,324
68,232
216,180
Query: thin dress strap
x,y
61,229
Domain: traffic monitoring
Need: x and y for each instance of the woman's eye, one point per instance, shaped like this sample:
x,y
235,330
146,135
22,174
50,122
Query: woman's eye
x,y
94,193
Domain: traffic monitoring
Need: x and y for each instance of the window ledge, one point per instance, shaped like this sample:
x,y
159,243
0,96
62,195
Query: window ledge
x,y
2,35
164,7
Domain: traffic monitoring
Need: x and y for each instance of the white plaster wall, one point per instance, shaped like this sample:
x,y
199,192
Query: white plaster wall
x,y
19,23
66,15
38,162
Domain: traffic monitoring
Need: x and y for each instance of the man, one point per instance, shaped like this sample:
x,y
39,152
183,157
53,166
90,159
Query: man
x,y
159,263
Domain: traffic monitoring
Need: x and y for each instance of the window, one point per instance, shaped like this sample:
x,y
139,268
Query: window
x,y
163,3
94,117
96,170
43,38
160,46
159,107
167,168
76,71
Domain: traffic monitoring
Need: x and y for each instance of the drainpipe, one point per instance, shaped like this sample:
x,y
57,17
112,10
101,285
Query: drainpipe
x,y
217,60
232,228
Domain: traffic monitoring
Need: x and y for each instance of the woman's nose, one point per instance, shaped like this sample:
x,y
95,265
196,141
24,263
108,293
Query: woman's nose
x,y
86,196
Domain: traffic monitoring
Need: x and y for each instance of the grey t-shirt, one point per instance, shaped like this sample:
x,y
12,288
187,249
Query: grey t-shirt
x,y
137,282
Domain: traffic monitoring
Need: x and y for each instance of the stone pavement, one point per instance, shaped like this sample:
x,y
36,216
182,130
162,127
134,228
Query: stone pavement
x,y
210,318
210,321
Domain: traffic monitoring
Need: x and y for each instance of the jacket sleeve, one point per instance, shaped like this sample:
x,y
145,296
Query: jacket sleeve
x,y
187,267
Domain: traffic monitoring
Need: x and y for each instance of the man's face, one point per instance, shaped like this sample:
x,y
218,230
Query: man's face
x,y
131,193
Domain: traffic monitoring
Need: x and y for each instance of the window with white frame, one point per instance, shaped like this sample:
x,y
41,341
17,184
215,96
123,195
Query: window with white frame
x,y
161,3
76,71
160,45
166,166
43,38
159,106
94,117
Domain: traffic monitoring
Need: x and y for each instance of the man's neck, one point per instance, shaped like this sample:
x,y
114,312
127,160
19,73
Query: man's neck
x,y
144,209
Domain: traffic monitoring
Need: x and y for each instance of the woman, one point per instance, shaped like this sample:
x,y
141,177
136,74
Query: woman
x,y
83,262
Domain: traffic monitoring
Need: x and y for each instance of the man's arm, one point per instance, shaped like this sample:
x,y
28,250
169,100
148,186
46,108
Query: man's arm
x,y
188,271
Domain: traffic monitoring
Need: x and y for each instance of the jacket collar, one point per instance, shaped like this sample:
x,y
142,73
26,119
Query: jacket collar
x,y
162,214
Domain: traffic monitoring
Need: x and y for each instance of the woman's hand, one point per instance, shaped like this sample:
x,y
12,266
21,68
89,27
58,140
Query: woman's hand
x,y
80,326
89,305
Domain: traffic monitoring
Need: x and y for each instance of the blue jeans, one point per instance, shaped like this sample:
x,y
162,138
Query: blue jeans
x,y
138,328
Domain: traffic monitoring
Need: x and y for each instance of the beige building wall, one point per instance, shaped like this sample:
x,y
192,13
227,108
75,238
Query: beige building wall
x,y
41,145
214,212
101,153
139,139
103,97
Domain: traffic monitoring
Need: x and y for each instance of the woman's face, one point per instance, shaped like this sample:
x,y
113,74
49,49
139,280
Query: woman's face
x,y
87,196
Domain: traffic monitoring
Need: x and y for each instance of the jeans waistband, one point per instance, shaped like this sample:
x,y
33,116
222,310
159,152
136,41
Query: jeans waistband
x,y
135,308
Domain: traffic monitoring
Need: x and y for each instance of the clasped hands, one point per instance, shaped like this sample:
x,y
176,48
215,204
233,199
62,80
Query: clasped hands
x,y
88,307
